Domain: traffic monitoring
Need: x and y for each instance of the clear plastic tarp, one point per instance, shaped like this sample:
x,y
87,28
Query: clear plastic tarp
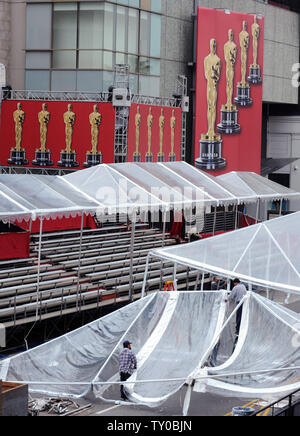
x,y
266,360
39,195
117,193
263,188
265,254
214,190
177,338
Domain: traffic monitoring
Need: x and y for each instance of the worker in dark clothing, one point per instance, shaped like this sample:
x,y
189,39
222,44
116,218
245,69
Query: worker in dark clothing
x,y
127,365
236,295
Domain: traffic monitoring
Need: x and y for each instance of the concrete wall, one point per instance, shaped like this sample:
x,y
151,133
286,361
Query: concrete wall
x,y
5,34
284,142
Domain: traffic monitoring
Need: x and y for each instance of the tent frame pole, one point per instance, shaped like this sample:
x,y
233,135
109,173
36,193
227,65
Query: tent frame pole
x,y
215,221
39,267
257,210
132,235
145,276
79,259
174,277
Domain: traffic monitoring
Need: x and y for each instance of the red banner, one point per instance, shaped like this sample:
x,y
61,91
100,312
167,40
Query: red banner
x,y
53,126
154,133
228,108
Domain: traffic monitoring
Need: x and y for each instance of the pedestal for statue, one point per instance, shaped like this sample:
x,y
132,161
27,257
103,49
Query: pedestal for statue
x,y
243,96
255,75
149,157
172,157
68,159
17,157
137,157
160,157
229,120
93,159
210,154
42,158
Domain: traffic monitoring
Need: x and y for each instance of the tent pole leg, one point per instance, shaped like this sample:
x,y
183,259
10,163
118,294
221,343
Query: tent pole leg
x,y
174,277
202,281
197,281
215,220
79,259
236,217
280,210
39,266
257,211
145,277
133,220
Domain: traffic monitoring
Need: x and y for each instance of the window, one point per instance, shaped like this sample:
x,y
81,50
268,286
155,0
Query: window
x,y
64,25
93,37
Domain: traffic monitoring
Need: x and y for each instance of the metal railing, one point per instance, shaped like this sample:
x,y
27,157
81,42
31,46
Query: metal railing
x,y
288,410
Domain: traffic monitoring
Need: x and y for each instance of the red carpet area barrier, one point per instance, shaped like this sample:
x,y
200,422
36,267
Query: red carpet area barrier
x,y
14,242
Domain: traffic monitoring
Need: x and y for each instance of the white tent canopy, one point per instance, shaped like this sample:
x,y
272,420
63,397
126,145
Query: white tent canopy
x,y
174,335
266,254
32,196
243,183
129,188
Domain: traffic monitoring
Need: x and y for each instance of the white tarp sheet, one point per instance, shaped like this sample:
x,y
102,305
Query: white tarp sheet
x,y
265,254
174,335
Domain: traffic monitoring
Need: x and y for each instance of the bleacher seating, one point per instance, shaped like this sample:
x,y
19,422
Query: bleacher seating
x,y
72,279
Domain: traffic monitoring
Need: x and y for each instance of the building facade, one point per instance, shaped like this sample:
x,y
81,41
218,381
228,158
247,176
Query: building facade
x,y
73,46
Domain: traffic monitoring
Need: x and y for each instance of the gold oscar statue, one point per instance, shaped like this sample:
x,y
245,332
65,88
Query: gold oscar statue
x,y
17,153
255,72
149,155
243,89
161,122
229,113
137,120
42,154
211,143
172,155
68,156
94,157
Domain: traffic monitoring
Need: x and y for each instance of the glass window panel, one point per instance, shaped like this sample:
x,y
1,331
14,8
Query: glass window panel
x,y
144,66
155,67
37,80
64,59
121,29
108,26
108,80
108,60
38,60
156,5
63,81
149,86
144,33
134,3
90,59
133,62
64,25
120,58
133,83
155,35
89,81
91,24
38,26
133,22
